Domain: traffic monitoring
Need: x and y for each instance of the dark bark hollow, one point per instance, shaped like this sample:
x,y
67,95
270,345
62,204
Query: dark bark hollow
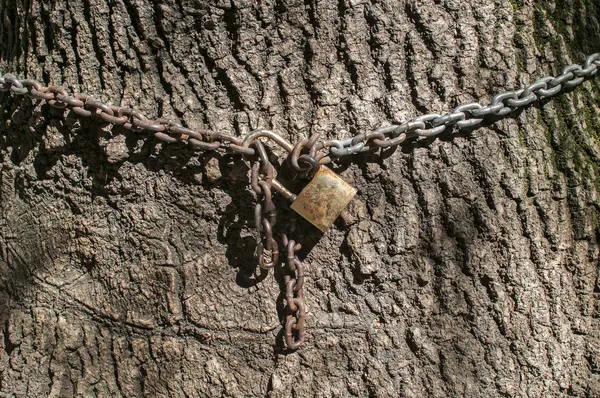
x,y
467,266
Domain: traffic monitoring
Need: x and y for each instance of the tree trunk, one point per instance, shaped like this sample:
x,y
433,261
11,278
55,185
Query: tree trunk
x,y
466,266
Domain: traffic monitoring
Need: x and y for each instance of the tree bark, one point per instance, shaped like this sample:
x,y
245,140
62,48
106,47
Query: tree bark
x,y
465,266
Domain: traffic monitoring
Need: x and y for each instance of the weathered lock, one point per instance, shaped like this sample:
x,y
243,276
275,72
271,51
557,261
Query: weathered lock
x,y
323,199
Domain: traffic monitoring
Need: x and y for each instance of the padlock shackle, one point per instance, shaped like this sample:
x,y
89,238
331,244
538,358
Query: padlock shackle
x,y
286,193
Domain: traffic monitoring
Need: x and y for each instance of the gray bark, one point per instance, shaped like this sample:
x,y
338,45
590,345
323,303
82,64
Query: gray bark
x,y
467,266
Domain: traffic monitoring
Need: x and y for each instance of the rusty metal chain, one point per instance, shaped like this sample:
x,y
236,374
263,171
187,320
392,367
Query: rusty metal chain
x,y
304,157
265,214
86,106
295,308
263,182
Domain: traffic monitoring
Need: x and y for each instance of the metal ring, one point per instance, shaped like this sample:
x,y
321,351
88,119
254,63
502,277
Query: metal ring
x,y
241,150
559,80
294,156
311,162
449,119
390,142
591,59
256,134
207,146
97,105
574,83
387,129
347,151
430,132
537,85
216,135
72,101
521,102
165,137
544,93
588,71
486,110
41,94
184,131
499,98
116,120
149,125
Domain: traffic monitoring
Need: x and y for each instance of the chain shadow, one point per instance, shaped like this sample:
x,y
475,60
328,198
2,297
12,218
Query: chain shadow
x,y
236,232
235,226
24,145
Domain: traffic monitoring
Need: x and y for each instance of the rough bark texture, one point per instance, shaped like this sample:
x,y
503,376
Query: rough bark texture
x,y
467,266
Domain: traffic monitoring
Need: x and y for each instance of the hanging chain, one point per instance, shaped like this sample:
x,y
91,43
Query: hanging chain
x,y
265,215
295,308
263,182
304,157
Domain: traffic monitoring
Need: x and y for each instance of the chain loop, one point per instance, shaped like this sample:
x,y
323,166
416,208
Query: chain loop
x,y
307,164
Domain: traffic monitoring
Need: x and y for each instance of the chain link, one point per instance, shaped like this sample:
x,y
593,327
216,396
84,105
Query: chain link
x,y
467,115
85,106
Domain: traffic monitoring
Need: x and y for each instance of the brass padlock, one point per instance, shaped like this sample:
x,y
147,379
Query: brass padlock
x,y
322,200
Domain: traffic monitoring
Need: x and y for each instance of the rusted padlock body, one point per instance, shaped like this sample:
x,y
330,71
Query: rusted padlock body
x,y
323,199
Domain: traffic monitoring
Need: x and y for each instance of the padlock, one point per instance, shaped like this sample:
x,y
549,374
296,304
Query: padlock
x,y
322,200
